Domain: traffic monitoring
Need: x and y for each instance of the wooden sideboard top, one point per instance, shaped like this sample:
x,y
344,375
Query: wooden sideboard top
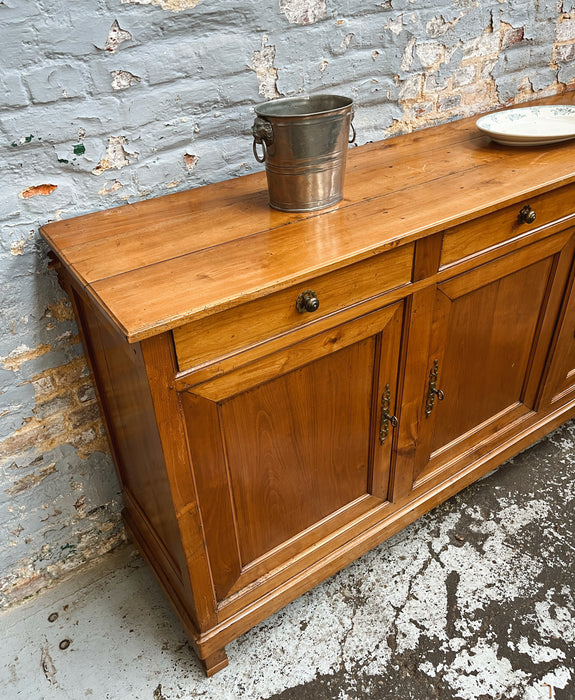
x,y
160,263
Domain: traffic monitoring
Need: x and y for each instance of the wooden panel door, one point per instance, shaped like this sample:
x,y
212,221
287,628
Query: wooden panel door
x,y
560,379
291,449
487,336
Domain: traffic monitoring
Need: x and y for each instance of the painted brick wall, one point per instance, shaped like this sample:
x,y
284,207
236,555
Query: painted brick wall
x,y
117,100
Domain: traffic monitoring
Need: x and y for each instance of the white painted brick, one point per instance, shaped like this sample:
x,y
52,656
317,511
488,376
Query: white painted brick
x,y
411,88
566,29
464,76
433,83
482,46
12,92
303,11
565,53
54,83
430,53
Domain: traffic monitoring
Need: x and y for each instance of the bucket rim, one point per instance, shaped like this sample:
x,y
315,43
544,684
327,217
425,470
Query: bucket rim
x,y
272,108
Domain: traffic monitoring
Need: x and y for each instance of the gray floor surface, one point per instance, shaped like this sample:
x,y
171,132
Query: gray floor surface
x,y
474,601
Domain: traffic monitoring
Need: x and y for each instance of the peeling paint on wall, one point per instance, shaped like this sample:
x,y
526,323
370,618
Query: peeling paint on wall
x,y
430,93
511,35
395,25
36,190
303,11
116,156
122,79
438,26
191,161
17,247
66,411
346,41
35,464
267,74
110,187
30,480
22,354
116,36
564,50
171,5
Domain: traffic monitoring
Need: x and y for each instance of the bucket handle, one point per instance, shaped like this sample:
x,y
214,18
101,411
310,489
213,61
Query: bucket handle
x,y
352,127
263,134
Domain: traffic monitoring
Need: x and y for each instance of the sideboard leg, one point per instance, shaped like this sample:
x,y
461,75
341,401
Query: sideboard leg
x,y
215,662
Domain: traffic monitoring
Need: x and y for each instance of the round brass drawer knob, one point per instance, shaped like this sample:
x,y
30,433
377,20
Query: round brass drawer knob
x,y
307,302
527,215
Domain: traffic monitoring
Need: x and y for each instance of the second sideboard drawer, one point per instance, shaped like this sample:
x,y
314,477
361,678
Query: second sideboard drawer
x,y
479,235
254,322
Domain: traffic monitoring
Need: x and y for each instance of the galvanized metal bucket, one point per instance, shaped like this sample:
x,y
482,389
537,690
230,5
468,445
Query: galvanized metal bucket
x,y
304,143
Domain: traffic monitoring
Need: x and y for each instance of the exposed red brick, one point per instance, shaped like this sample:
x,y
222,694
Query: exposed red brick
x,y
36,190
512,36
190,161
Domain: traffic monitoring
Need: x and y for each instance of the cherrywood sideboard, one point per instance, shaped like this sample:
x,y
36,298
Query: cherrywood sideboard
x,y
283,391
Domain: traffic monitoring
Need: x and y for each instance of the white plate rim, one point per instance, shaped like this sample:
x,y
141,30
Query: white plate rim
x,y
499,125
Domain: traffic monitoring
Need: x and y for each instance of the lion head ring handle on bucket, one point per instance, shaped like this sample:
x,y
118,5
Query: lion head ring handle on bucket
x,y
304,142
263,134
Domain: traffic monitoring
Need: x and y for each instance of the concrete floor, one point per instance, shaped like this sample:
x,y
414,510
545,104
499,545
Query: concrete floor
x,y
474,601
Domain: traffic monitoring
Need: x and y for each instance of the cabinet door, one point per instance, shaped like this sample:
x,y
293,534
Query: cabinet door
x,y
290,450
560,380
487,335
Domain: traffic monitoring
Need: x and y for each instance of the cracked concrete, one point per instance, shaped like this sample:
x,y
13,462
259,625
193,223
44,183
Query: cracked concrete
x,y
474,601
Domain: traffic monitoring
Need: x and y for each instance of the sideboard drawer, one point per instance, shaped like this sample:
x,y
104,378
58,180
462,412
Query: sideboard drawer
x,y
481,234
254,322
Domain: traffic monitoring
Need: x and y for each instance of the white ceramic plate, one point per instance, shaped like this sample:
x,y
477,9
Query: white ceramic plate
x,y
530,126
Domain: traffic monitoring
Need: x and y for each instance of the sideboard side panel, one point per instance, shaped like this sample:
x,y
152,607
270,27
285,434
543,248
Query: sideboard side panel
x,y
160,362
121,382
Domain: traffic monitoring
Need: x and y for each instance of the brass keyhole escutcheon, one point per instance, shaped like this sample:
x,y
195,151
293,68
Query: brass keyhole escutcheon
x,y
432,391
307,302
386,420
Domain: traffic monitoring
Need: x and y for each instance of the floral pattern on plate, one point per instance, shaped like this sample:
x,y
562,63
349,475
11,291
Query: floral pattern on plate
x,y
530,126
